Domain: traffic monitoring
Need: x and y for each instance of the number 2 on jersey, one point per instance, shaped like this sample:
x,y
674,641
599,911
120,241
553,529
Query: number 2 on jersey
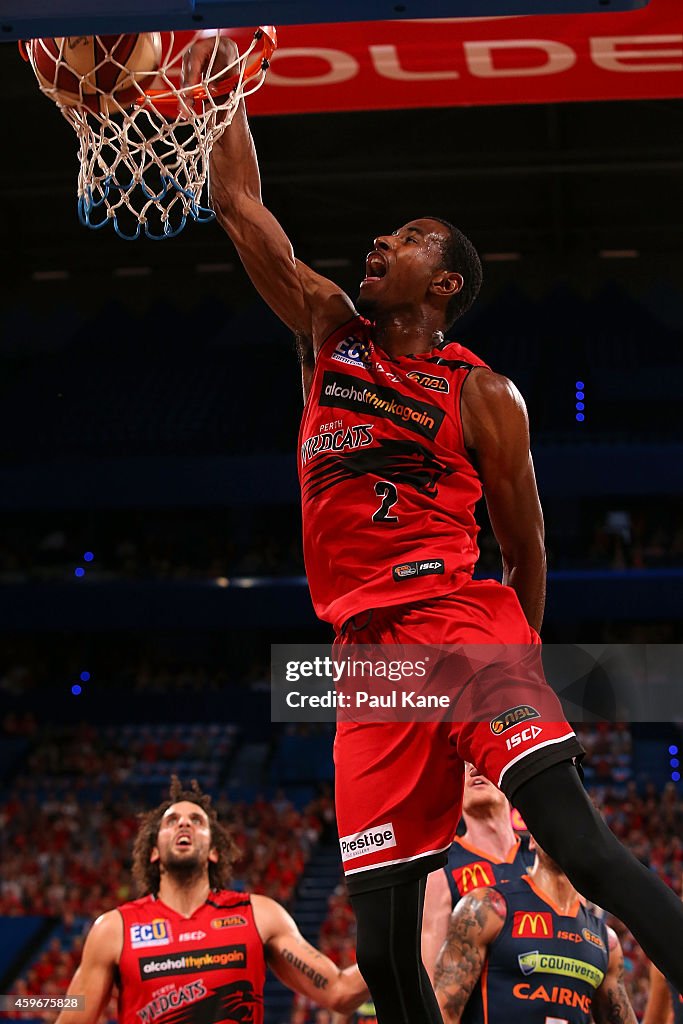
x,y
389,495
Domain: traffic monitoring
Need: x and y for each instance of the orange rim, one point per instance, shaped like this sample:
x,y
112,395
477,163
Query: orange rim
x,y
267,35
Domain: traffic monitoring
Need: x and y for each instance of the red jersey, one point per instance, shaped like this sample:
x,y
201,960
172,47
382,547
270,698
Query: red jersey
x,y
388,490
204,969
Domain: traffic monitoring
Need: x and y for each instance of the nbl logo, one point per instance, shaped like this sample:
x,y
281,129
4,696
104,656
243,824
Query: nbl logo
x,y
231,921
429,381
594,939
512,717
403,571
435,567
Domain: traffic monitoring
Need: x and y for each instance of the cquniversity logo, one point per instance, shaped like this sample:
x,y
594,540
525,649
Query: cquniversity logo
x,y
156,933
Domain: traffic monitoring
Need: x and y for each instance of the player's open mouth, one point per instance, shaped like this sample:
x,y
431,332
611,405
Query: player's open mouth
x,y
375,268
183,841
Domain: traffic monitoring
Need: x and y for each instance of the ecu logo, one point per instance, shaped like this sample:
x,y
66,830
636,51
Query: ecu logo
x,y
512,717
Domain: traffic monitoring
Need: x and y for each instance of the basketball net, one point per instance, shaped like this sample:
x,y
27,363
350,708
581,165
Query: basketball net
x,y
145,168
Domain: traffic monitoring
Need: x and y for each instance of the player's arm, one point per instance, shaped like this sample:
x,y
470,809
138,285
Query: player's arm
x,y
659,1009
496,431
611,1004
476,921
94,978
301,966
311,305
437,913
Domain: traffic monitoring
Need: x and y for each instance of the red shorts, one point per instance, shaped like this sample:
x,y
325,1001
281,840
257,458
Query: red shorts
x,y
399,784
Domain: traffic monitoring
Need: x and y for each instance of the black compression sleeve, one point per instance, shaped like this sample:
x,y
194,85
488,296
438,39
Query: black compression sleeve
x,y
388,952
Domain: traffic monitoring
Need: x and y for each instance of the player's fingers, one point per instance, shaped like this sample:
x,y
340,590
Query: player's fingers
x,y
227,56
196,60
208,59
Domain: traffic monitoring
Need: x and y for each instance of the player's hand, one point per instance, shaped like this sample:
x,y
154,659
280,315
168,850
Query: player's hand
x,y
206,58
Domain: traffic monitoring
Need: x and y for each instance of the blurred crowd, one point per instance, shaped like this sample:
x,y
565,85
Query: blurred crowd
x,y
68,857
209,544
151,544
69,818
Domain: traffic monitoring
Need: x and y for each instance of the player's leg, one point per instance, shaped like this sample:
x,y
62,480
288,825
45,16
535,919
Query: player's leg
x,y
388,952
560,815
398,789
396,820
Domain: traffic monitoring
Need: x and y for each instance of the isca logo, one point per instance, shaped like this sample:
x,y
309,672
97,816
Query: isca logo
x,y
512,717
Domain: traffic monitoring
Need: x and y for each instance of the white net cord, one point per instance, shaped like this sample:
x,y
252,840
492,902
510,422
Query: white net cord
x,y
145,169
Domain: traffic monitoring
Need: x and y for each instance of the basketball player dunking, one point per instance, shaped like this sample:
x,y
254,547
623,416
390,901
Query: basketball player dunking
x,y
400,433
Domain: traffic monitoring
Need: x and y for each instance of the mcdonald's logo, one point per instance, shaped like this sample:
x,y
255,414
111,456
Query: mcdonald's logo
x,y
527,924
473,876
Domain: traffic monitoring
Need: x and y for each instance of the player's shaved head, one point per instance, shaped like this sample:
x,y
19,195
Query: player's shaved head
x,y
459,255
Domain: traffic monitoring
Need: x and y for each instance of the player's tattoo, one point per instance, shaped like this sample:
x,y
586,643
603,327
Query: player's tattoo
x,y
611,1004
616,1008
319,980
462,955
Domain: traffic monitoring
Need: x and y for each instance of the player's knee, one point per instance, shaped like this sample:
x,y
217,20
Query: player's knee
x,y
373,953
382,954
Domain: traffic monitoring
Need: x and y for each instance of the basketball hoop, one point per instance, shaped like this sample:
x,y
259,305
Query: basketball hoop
x,y
146,139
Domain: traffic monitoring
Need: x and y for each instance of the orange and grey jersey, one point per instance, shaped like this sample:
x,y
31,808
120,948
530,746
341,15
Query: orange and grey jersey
x,y
388,489
205,969
469,868
543,966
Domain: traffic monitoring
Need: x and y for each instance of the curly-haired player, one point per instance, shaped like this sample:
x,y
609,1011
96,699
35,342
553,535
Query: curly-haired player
x,y
192,951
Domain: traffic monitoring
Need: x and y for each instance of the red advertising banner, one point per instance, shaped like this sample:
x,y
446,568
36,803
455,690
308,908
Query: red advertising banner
x,y
382,65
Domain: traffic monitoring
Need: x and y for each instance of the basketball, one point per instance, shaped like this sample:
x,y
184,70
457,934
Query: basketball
x,y
96,72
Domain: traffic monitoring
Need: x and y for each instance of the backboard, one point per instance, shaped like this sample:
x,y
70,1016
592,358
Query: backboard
x,y
26,19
